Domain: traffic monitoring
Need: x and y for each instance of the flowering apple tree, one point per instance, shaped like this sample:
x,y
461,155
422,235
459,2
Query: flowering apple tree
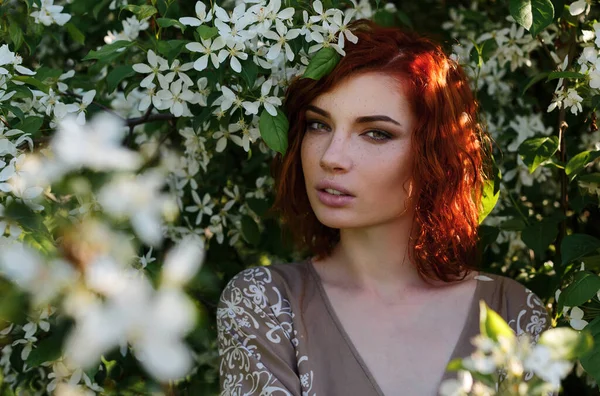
x,y
135,142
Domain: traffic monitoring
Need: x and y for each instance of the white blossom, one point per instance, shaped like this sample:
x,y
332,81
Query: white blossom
x,y
202,206
156,65
580,7
209,48
235,52
175,98
282,37
269,102
576,319
342,27
201,16
49,13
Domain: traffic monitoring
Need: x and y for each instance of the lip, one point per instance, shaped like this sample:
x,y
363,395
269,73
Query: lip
x,y
327,184
335,201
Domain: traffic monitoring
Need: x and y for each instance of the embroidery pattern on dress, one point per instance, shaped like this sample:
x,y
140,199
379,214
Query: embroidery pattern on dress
x,y
245,308
531,320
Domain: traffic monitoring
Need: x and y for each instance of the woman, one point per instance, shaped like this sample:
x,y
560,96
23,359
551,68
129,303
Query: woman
x,y
382,184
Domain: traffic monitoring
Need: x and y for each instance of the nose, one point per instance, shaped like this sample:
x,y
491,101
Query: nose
x,y
335,158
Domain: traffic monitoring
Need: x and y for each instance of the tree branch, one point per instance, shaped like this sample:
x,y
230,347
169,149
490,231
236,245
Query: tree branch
x,y
132,122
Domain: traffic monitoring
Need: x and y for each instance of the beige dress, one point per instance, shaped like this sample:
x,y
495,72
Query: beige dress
x,y
267,346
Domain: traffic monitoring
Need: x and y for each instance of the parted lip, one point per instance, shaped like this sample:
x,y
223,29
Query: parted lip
x,y
328,184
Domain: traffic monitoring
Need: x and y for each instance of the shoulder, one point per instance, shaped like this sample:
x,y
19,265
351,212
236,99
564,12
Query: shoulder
x,y
520,307
262,281
265,292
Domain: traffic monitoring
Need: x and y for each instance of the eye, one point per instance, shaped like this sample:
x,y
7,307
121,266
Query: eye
x,y
312,125
378,135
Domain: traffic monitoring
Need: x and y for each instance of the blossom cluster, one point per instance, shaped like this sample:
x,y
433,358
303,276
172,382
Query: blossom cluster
x,y
112,303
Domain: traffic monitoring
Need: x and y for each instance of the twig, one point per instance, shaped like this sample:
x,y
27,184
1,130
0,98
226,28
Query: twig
x,y
564,182
562,155
100,105
5,122
132,122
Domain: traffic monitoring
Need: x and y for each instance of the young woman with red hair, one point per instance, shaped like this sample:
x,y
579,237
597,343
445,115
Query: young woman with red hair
x,y
381,184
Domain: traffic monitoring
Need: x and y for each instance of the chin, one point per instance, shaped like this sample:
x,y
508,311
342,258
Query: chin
x,y
339,220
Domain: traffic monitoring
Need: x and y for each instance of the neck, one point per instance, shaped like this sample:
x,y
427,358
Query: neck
x,y
375,261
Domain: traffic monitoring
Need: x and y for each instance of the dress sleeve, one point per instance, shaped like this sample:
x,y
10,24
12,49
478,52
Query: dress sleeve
x,y
256,351
527,312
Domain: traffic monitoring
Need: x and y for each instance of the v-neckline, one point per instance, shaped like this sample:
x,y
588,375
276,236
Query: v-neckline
x,y
461,338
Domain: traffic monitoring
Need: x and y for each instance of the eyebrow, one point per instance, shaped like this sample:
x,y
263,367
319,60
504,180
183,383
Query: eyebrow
x,y
360,120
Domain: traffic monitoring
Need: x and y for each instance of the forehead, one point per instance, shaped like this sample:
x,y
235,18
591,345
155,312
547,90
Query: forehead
x,y
364,94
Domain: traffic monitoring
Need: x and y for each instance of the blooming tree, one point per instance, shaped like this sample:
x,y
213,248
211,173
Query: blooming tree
x,y
136,135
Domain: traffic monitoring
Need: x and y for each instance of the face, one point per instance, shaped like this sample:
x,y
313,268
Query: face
x,y
358,140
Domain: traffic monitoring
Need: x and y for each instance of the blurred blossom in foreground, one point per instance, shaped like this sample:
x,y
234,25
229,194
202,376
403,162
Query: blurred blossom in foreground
x,y
153,322
138,198
26,267
96,145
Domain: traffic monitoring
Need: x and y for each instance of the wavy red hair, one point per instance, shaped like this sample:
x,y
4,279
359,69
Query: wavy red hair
x,y
450,157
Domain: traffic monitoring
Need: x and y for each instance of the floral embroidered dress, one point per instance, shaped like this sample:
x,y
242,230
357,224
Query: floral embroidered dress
x,y
267,346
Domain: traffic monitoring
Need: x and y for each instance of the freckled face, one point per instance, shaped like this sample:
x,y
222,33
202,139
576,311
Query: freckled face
x,y
358,136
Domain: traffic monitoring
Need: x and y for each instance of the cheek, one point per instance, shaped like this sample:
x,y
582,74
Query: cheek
x,y
308,153
387,174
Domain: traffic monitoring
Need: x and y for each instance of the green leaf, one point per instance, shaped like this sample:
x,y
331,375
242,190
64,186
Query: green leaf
x,y
537,150
533,15
168,22
249,72
47,350
591,361
322,63
539,236
99,7
579,162
491,324
258,206
117,75
592,263
487,49
16,35
108,49
538,77
142,12
21,92
207,32
384,18
25,217
590,178
250,230
513,224
564,74
585,286
75,33
487,235
33,82
30,124
15,110
404,19
454,365
575,246
171,48
566,343
488,200
274,130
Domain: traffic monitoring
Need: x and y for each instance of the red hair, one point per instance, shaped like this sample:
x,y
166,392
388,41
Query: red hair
x,y
449,162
